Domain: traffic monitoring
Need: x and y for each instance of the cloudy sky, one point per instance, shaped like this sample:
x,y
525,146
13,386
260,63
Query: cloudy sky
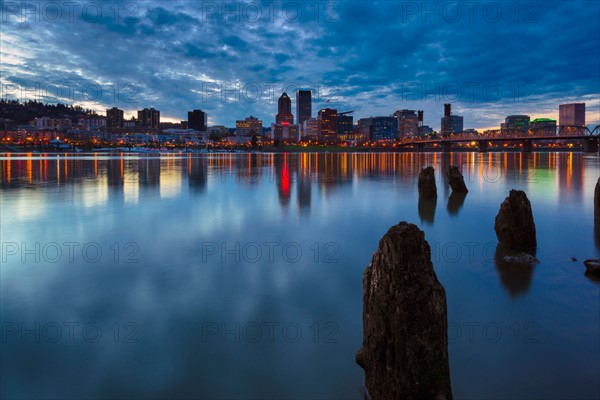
x,y
233,59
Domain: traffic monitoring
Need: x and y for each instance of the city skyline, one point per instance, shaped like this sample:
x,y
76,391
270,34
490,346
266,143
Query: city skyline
x,y
231,65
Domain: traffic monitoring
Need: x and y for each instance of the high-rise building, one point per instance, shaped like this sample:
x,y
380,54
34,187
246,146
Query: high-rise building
x,y
572,114
284,110
197,120
408,123
114,118
303,105
149,118
328,123
248,127
450,123
515,124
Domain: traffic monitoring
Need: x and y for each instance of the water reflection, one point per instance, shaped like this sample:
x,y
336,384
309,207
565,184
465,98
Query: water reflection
x,y
427,209
172,205
455,202
516,278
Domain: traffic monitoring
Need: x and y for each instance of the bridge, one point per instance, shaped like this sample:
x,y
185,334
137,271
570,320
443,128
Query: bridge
x,y
589,138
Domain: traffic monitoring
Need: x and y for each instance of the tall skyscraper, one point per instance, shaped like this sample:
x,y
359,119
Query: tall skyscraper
x,y
571,114
149,117
197,120
114,118
284,110
303,105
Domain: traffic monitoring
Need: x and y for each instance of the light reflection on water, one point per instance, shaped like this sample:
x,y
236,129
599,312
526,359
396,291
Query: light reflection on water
x,y
240,275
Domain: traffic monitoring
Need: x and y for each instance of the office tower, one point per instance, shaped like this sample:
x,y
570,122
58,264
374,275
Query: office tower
x,y
408,123
303,105
197,120
328,123
572,114
345,125
284,110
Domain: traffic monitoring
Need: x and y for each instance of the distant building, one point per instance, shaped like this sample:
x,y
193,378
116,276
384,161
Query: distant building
x,y
149,118
248,126
426,130
285,131
515,124
572,114
310,127
218,129
408,123
384,128
114,118
472,132
328,126
543,127
450,123
197,120
90,123
47,123
345,126
378,128
363,126
284,110
303,105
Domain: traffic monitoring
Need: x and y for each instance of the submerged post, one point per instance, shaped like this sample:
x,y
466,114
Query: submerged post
x,y
405,327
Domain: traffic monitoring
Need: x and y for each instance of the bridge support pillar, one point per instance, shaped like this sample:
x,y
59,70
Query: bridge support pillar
x,y
420,147
590,145
482,146
527,146
446,147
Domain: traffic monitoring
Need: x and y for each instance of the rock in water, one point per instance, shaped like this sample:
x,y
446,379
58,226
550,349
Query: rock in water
x,y
514,224
592,265
405,343
521,259
427,187
597,201
456,180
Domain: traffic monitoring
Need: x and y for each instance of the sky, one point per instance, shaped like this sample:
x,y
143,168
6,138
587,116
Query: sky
x,y
232,59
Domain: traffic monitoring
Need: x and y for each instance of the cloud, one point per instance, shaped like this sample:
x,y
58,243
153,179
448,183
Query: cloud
x,y
234,60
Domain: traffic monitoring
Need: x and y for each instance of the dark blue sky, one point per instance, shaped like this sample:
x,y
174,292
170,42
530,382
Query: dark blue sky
x,y
233,59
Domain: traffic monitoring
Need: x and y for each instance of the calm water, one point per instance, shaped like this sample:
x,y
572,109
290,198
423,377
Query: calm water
x,y
240,276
